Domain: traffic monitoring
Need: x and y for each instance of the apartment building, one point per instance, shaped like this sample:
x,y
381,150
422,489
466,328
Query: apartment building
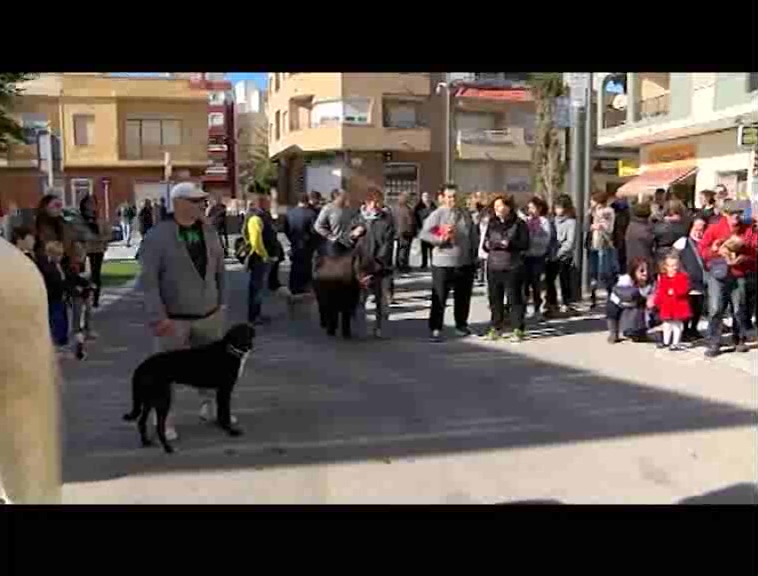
x,y
251,122
117,135
686,126
493,122
353,130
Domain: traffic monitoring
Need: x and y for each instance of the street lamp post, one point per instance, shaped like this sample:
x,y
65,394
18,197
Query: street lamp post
x,y
444,88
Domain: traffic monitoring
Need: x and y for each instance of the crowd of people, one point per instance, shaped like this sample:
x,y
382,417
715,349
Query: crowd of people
x,y
657,262
70,258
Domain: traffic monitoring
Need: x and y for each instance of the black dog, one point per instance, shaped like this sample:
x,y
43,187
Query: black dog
x,y
152,380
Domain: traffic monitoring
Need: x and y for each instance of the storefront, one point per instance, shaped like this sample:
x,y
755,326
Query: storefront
x,y
688,165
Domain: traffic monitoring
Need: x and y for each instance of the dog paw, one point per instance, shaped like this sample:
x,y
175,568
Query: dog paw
x,y
168,449
234,431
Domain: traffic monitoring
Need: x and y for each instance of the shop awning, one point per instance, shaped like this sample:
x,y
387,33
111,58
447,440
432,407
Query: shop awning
x,y
650,180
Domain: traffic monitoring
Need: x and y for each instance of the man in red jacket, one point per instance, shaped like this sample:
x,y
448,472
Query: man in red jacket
x,y
728,270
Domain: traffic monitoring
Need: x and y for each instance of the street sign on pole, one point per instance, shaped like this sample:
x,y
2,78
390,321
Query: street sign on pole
x,y
578,85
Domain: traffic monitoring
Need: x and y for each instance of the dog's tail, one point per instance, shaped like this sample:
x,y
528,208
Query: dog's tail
x,y
136,400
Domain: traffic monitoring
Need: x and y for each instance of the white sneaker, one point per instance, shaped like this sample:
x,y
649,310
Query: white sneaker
x,y
171,434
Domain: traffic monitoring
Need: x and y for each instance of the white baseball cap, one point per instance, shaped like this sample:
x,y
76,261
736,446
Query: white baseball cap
x,y
187,191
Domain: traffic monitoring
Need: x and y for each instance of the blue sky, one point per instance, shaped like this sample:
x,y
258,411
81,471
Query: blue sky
x,y
258,77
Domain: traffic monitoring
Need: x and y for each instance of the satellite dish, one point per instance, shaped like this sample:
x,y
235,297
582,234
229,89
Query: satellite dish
x,y
619,102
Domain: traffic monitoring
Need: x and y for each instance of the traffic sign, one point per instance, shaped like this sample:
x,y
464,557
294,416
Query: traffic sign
x,y
578,84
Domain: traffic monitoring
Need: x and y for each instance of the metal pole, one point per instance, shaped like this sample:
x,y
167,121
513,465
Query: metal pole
x,y
448,136
589,144
577,189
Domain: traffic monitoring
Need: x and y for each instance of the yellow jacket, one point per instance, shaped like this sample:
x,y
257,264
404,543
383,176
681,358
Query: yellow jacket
x,y
255,237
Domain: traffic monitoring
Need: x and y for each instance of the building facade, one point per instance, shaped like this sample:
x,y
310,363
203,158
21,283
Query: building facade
x,y
252,129
686,126
493,123
355,130
116,137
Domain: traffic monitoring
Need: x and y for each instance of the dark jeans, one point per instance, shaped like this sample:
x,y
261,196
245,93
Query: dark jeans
x,y
273,276
481,271
461,280
58,317
697,304
534,267
500,283
720,295
96,267
751,298
223,237
426,254
337,303
301,271
404,254
257,284
563,271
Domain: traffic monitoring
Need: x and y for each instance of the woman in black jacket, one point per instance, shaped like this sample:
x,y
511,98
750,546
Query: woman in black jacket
x,y
505,241
639,237
692,263
673,226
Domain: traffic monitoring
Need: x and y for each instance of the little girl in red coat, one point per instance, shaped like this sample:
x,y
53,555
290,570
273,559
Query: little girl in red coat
x,y
672,301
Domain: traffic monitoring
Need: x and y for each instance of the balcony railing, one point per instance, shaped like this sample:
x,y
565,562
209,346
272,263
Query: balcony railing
x,y
494,79
502,137
652,107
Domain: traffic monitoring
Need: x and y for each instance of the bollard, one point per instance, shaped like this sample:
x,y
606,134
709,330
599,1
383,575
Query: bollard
x,y
30,451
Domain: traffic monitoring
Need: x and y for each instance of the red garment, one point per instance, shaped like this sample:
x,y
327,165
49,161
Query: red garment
x,y
721,231
672,296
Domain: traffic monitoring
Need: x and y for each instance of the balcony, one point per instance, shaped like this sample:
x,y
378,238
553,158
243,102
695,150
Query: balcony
x,y
491,79
653,107
504,145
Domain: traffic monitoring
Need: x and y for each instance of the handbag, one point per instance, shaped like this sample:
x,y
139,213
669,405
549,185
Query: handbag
x,y
719,269
242,250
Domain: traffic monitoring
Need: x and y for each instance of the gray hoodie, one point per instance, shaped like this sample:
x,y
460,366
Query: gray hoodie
x,y
565,229
172,285
463,252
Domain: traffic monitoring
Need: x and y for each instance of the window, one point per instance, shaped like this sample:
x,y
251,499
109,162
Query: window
x,y
84,129
216,98
752,82
400,178
285,127
277,78
133,139
350,111
356,111
402,114
278,124
215,119
151,133
80,188
171,132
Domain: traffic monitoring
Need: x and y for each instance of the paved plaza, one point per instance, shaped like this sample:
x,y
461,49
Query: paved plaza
x,y
562,416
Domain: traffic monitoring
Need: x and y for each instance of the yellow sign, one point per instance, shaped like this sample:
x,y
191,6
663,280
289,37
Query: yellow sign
x,y
670,154
628,168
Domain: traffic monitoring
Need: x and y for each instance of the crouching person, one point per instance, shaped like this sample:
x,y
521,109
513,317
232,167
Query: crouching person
x,y
630,302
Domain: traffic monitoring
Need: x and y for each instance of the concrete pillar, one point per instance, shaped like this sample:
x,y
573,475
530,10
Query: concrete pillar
x,y
30,452
633,94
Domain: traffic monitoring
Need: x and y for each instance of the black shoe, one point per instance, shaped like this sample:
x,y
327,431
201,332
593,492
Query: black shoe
x,y
613,339
741,348
712,352
661,345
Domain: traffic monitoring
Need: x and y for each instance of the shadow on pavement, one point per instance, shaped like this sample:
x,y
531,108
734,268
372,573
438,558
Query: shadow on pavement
x,y
305,399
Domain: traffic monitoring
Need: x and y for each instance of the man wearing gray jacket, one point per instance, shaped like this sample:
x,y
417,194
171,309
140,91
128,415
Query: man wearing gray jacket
x,y
455,238
183,280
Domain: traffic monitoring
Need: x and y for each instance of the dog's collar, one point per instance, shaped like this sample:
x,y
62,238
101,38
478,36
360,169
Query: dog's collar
x,y
236,351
